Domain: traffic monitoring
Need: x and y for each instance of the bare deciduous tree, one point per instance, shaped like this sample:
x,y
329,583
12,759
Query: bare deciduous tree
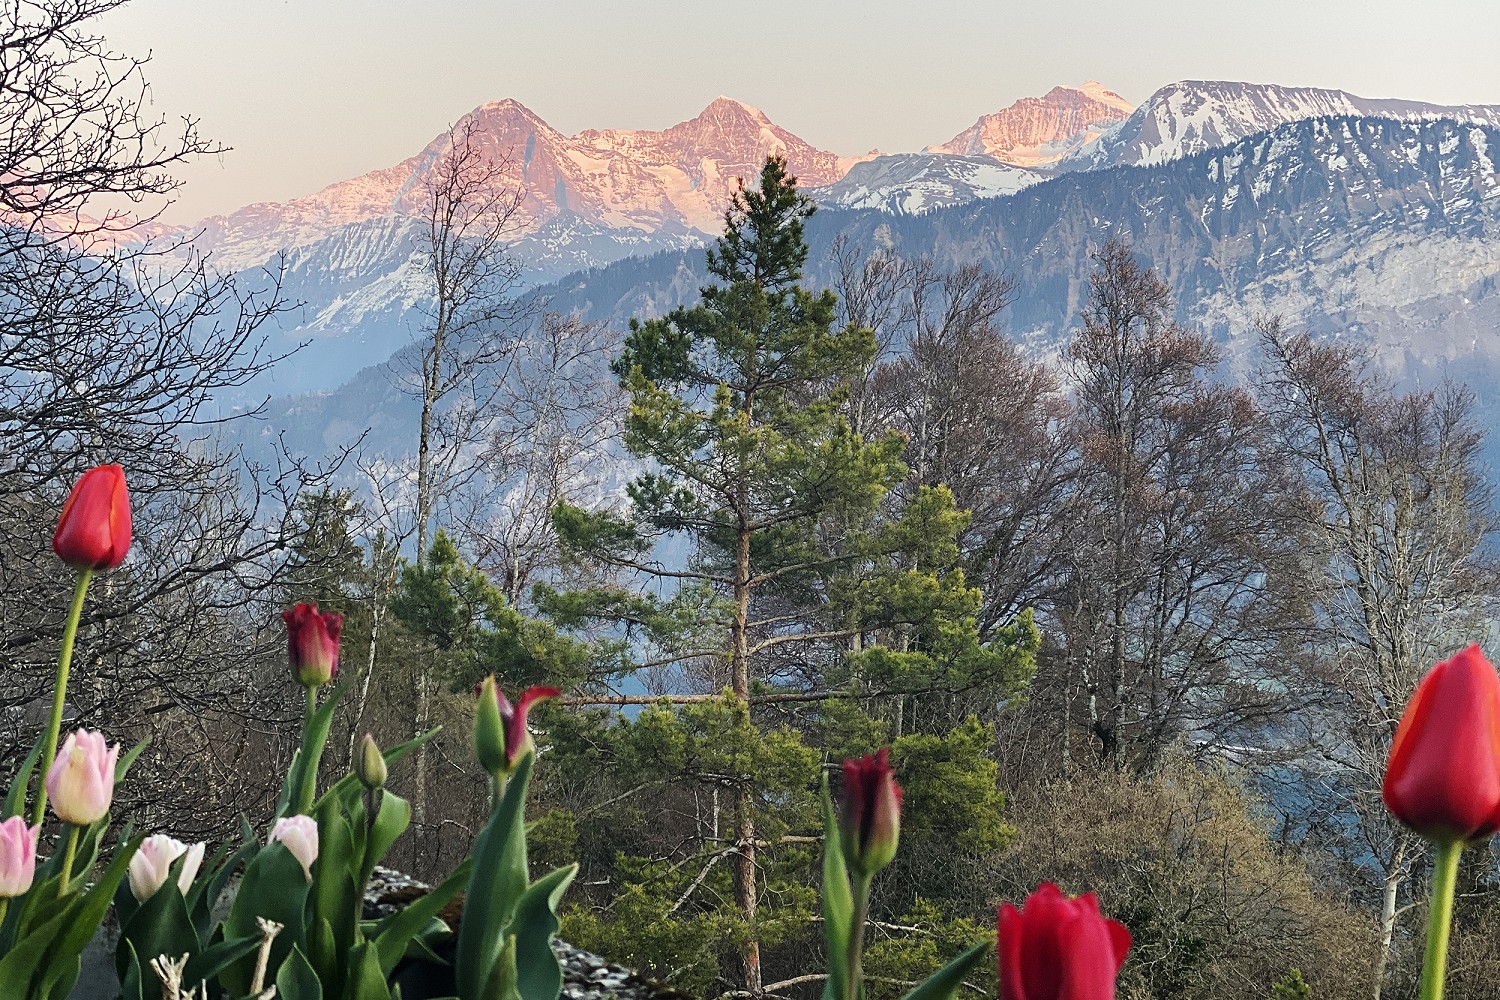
x,y
1399,512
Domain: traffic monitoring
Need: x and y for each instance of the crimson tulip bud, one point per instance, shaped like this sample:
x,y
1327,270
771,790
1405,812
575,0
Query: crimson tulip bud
x,y
17,856
1443,776
93,531
298,834
501,738
869,813
312,644
81,783
1056,948
152,865
371,764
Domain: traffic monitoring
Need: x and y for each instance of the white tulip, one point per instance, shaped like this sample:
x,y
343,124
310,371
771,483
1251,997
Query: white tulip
x,y
299,834
152,864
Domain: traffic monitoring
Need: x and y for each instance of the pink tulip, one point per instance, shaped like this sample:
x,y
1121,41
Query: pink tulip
x,y
81,783
17,856
152,864
298,834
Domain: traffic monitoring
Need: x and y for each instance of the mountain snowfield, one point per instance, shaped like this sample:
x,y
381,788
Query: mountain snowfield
x,y
1380,222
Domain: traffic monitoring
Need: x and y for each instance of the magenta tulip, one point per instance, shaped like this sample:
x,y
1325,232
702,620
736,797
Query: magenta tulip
x,y
869,813
312,644
501,738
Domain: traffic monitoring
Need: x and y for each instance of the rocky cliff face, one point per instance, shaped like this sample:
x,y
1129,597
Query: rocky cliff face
x,y
1037,131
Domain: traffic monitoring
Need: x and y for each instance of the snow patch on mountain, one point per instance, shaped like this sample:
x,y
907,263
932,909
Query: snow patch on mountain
x,y
908,183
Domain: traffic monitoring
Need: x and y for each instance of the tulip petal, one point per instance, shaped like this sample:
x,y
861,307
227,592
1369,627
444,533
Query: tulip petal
x,y
1443,774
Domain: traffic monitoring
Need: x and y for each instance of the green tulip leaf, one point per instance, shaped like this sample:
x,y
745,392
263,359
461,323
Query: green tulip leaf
x,y
392,936
300,788
500,983
83,920
838,903
131,984
337,896
366,980
296,980
159,926
498,881
122,765
945,983
15,800
274,887
206,965
391,820
538,972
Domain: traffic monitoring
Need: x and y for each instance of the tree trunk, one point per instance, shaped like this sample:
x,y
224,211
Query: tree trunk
x,y
431,371
1393,878
744,871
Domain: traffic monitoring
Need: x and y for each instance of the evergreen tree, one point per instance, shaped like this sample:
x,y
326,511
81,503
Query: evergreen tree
x,y
805,581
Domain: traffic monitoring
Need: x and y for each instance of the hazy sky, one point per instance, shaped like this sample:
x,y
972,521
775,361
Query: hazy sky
x,y
309,92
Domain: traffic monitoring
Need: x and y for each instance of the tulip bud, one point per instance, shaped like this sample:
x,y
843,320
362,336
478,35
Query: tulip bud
x,y
93,531
371,765
152,864
869,813
501,738
1056,948
312,644
17,856
1443,776
81,782
298,834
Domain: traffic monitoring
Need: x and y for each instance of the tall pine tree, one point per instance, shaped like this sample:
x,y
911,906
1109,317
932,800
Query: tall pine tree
x,y
798,562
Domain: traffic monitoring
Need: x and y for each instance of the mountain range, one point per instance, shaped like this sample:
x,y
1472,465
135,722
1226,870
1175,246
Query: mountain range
x,y
1350,216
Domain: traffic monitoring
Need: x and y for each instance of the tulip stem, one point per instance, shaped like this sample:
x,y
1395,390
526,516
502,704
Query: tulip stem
x,y
4,906
1440,918
68,855
855,984
60,691
309,789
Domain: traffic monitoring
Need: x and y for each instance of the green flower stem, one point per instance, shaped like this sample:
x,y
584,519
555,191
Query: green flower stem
x,y
4,906
861,886
60,691
67,868
1440,918
309,786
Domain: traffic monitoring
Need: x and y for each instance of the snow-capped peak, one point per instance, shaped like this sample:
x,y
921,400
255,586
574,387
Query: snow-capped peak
x,y
1036,131
1190,116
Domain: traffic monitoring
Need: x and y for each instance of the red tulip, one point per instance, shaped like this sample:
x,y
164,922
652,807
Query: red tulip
x,y
1056,948
1443,776
501,738
312,643
869,813
93,531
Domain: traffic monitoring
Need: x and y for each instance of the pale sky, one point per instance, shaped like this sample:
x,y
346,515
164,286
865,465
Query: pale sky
x,y
309,92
